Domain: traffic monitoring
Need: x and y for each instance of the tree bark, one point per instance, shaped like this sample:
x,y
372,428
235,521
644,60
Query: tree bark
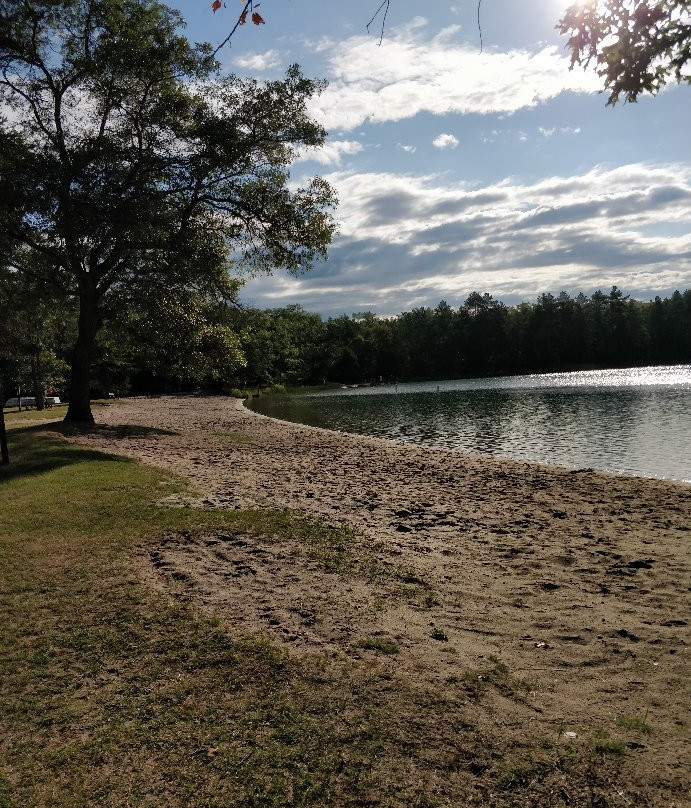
x,y
39,391
79,385
4,450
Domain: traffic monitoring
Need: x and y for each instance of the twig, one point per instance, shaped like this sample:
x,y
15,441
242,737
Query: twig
x,y
384,5
243,15
479,27
538,669
620,793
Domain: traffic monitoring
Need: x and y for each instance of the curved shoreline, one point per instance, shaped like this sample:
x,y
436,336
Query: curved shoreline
x,y
577,580
585,464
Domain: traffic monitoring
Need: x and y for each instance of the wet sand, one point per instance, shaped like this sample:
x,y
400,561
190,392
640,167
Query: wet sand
x,y
578,581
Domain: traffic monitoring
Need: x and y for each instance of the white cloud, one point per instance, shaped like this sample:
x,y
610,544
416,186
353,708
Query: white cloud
x,y
407,148
445,141
259,61
330,153
318,46
562,130
408,240
412,73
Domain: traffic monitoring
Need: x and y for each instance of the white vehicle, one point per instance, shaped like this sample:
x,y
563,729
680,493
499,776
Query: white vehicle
x,y
30,401
27,401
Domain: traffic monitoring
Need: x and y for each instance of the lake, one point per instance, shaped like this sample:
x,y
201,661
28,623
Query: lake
x,y
632,421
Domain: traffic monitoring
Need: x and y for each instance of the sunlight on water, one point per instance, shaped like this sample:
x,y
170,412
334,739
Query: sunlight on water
x,y
657,376
635,421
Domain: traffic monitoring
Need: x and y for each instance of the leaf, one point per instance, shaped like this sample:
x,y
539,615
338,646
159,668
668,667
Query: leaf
x,y
257,19
216,5
243,18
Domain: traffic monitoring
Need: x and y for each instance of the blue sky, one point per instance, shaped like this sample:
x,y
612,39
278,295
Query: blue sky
x,y
457,170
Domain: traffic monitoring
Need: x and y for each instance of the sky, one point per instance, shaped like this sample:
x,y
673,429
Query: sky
x,y
462,169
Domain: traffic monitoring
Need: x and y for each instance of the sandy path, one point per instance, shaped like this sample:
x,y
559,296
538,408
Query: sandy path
x,y
578,581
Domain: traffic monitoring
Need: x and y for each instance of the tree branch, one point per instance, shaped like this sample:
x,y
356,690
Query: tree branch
x,y
385,5
241,19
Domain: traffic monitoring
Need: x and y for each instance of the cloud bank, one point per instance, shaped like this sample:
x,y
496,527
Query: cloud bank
x,y
407,240
413,73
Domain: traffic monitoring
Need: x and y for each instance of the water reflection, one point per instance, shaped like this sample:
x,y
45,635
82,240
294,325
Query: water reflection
x,y
641,429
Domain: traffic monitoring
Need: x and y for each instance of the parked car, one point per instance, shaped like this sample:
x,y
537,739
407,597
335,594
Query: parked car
x,y
27,401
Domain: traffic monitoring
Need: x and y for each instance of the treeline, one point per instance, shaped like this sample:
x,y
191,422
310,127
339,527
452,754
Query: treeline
x,y
482,337
173,344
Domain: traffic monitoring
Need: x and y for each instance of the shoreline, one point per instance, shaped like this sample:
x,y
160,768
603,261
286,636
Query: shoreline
x,y
474,455
575,580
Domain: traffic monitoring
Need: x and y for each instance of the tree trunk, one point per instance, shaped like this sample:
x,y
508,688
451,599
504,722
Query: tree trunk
x,y
39,390
79,385
4,451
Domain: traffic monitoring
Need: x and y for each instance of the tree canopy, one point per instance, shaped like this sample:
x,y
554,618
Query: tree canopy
x,y
636,46
134,161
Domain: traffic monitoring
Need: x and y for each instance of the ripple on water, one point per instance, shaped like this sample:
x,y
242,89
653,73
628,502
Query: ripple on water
x,y
635,421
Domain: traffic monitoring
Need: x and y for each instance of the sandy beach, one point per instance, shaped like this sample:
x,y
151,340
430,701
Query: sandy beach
x,y
573,584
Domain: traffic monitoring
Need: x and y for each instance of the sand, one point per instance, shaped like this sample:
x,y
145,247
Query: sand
x,y
577,581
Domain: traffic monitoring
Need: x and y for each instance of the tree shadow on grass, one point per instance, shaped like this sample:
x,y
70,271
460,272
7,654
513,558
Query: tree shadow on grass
x,y
119,431
34,450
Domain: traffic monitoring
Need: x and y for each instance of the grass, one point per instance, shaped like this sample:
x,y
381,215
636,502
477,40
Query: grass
x,y
604,745
15,417
431,600
497,676
634,723
385,645
339,549
113,695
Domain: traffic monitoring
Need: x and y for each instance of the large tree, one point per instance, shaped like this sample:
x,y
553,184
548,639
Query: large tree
x,y
135,159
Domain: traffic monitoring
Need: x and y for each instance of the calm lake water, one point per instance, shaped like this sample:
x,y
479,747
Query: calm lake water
x,y
633,421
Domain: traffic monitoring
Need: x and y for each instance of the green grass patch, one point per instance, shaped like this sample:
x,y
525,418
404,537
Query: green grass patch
x,y
609,747
634,723
236,392
384,645
431,599
602,744
14,418
337,549
115,696
498,676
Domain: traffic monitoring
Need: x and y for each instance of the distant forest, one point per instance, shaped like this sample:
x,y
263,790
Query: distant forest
x,y
197,342
482,337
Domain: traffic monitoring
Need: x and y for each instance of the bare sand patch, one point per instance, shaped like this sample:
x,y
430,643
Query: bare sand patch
x,y
572,586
